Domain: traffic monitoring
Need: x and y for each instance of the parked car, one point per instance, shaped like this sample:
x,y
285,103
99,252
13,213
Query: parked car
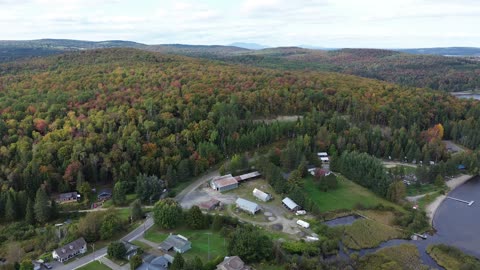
x,y
47,265
301,212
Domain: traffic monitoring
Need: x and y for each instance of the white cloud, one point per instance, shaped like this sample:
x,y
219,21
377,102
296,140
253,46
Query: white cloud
x,y
332,23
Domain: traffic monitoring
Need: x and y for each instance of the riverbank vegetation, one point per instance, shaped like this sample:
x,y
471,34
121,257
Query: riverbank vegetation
x,y
365,233
452,258
401,257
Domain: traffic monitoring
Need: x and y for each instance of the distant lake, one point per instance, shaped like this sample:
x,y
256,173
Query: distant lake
x,y
467,96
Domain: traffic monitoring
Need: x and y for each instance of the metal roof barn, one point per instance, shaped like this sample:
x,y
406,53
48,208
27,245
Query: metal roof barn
x,y
247,206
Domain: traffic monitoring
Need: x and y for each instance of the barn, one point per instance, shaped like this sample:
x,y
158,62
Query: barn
x,y
247,206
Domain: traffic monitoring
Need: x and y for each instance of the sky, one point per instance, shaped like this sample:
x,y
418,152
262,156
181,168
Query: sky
x,y
322,23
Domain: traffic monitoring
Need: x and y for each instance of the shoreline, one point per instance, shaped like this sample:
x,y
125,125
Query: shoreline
x,y
452,184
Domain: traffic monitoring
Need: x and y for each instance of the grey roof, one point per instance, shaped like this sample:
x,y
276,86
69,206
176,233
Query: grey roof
x,y
174,241
247,176
168,257
289,203
129,246
232,263
261,195
70,248
247,205
68,195
154,263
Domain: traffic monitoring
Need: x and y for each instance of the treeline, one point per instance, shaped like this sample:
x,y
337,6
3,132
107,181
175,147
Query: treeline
x,y
363,169
109,115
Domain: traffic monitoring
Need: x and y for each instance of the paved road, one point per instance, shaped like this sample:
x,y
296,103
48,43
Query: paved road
x,y
102,252
139,231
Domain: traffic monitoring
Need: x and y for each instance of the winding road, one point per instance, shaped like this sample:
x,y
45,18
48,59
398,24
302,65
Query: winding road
x,y
139,231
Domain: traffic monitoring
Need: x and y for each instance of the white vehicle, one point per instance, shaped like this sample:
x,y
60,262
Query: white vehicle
x,y
301,212
302,223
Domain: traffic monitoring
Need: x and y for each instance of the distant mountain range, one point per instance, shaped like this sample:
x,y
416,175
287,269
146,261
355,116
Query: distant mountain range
x,y
411,67
448,51
250,46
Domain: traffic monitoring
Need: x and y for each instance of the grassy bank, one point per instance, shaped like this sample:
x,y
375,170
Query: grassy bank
x,y
452,258
365,233
405,257
346,196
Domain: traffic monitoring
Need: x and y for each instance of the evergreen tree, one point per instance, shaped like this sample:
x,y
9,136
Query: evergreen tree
x,y
41,207
178,262
119,193
10,208
29,216
167,213
183,170
136,210
195,218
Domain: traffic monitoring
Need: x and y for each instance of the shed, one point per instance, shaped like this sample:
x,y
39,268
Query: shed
x,y
247,206
248,176
68,197
263,196
233,263
291,205
322,154
209,205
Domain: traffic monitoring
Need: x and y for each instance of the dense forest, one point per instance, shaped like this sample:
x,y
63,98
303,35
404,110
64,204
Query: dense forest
x,y
415,70
106,116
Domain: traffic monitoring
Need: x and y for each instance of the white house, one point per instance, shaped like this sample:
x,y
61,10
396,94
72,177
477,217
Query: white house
x,y
69,251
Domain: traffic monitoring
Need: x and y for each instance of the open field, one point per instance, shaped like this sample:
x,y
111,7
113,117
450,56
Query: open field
x,y
452,258
203,242
384,217
347,195
95,265
404,256
130,199
365,233
413,190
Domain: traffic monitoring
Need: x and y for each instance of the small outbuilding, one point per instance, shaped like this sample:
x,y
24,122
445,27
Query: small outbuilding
x,y
178,243
209,205
68,197
247,206
233,263
290,205
263,196
304,224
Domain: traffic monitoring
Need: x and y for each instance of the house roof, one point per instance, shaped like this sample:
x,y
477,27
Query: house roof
x,y
322,154
70,248
224,181
261,195
247,205
174,241
209,204
232,263
129,246
154,263
68,195
289,203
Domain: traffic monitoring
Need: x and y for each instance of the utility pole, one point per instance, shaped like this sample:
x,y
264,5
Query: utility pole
x,y
93,247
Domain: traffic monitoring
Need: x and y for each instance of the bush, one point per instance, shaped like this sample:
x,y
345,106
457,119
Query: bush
x,y
135,262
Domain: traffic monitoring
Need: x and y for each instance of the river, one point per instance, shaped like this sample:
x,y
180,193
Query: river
x,y
456,224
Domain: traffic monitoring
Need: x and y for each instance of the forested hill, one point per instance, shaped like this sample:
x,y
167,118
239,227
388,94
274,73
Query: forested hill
x,y
432,71
108,115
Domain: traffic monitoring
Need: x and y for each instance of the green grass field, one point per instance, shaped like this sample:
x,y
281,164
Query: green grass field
x,y
347,195
200,242
94,266
414,190
429,198
130,199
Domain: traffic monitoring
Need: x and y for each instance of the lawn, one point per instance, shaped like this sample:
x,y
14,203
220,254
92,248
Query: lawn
x,y
427,199
203,242
130,199
365,233
413,190
94,266
346,196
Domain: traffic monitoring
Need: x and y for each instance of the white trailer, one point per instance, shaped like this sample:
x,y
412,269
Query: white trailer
x,y
303,224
